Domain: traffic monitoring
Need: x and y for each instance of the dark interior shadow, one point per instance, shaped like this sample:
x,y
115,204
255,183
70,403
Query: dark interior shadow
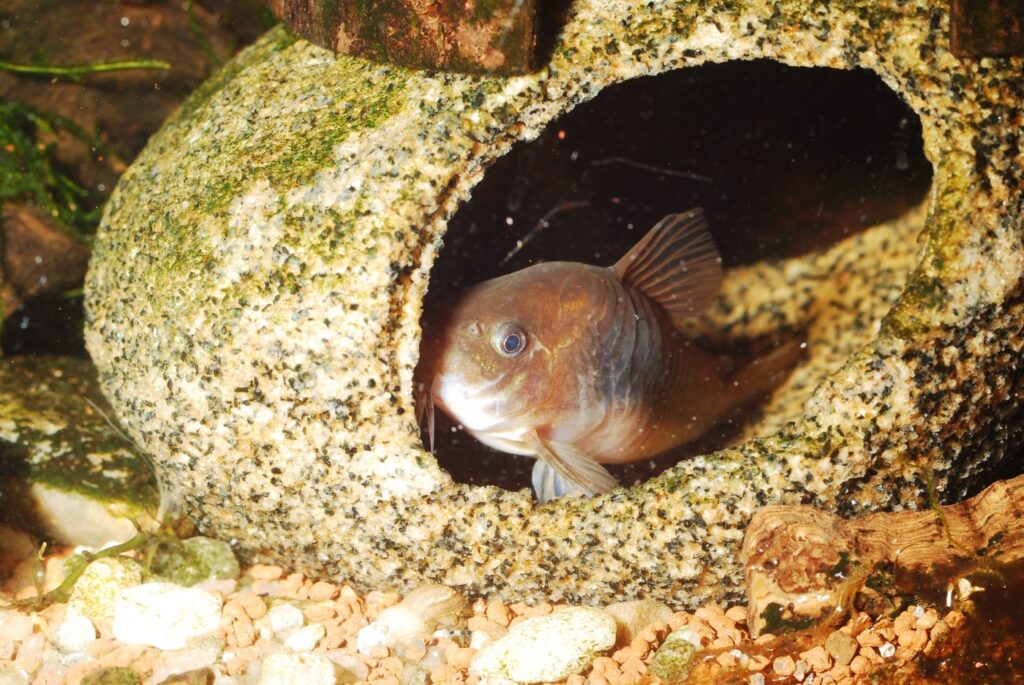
x,y
785,161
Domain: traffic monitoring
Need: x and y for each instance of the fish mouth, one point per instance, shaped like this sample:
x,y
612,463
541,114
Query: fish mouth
x,y
475,407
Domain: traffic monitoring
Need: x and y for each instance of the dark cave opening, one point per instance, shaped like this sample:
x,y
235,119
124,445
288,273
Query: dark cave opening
x,y
784,161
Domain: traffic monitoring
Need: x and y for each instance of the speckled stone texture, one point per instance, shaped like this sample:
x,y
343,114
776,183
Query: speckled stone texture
x,y
256,287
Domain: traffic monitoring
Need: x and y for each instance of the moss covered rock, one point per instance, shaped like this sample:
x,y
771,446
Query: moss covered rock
x,y
191,561
256,287
66,470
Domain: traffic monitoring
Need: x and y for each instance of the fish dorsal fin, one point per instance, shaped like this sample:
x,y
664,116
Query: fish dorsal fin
x,y
571,464
676,264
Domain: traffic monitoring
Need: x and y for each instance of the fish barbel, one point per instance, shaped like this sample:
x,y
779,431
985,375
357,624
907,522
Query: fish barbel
x,y
579,365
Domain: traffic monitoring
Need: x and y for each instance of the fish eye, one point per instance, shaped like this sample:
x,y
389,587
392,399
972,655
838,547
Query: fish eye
x,y
510,340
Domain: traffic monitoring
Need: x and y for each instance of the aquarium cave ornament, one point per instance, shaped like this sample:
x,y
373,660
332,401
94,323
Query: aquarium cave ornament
x,y
257,283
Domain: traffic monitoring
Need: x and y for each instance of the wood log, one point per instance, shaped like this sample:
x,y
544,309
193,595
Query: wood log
x,y
986,28
803,565
477,36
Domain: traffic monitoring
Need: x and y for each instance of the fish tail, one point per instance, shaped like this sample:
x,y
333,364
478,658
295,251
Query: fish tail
x,y
757,378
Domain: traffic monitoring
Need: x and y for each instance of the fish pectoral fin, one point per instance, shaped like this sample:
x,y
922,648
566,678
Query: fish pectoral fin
x,y
676,264
425,412
572,465
548,484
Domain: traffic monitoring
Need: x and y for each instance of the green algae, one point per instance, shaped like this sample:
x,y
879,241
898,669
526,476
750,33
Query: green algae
x,y
361,98
55,431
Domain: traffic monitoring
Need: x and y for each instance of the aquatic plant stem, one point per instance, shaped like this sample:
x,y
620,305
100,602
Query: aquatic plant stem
x,y
74,71
73,569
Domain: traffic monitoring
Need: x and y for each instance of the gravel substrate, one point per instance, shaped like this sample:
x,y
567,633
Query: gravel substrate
x,y
278,627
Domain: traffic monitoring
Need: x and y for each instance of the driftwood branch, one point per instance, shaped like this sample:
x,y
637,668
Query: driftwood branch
x,y
482,36
803,565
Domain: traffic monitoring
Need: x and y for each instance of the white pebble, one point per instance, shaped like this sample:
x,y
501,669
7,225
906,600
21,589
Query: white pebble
x,y
756,679
8,676
287,668
97,588
547,648
14,626
74,634
887,649
183,661
350,662
801,670
164,615
433,659
305,639
282,617
372,636
478,639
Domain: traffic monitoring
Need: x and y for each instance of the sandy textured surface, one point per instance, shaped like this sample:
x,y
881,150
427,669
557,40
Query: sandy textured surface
x,y
257,282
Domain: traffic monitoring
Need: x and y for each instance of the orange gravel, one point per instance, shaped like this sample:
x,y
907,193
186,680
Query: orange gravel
x,y
860,645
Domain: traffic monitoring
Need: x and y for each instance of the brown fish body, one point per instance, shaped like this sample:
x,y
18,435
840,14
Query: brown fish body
x,y
580,365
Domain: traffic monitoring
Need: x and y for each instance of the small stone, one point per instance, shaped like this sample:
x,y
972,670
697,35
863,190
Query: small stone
x,y
499,614
927,620
842,646
112,676
15,626
903,622
74,634
165,616
184,663
97,589
252,604
737,613
784,666
871,655
283,617
758,662
914,639
197,559
674,659
265,572
9,676
632,617
202,676
817,658
460,658
800,670
305,639
937,636
954,619
322,590
288,668
547,648
870,638
413,674
860,664
480,624
756,679
346,662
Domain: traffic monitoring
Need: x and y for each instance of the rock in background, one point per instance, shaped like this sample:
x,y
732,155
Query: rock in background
x,y
66,471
